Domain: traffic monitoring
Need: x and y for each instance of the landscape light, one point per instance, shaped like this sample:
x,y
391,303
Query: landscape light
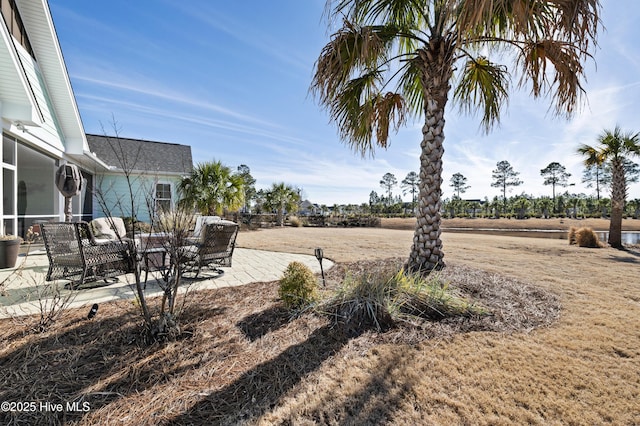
x,y
319,255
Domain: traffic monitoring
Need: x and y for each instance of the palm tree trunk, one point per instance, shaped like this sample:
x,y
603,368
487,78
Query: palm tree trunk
x,y
280,217
426,253
618,195
436,61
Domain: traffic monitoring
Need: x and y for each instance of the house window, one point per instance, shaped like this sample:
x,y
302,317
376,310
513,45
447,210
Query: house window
x,y
163,197
14,24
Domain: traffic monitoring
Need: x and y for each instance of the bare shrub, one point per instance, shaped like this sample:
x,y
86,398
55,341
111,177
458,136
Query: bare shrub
x,y
51,302
48,297
172,226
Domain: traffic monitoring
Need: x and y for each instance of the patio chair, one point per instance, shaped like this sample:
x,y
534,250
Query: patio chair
x,y
75,255
214,248
200,222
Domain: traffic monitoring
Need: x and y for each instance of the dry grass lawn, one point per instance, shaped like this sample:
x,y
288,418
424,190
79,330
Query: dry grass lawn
x,y
243,361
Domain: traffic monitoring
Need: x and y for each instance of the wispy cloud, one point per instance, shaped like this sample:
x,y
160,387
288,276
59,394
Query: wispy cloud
x,y
124,84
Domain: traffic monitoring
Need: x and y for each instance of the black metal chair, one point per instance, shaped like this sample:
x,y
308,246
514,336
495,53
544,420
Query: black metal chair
x,y
75,255
214,248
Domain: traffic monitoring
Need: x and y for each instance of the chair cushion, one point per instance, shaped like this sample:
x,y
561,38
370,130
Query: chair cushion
x,y
201,221
101,228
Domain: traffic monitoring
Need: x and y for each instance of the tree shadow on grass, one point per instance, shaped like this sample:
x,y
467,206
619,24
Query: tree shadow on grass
x,y
264,322
94,361
371,402
261,388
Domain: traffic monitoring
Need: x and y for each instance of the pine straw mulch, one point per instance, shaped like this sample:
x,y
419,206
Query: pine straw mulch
x,y
241,352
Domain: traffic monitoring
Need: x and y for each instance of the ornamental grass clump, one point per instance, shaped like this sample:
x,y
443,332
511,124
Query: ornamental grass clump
x,y
429,297
381,299
584,237
298,286
362,302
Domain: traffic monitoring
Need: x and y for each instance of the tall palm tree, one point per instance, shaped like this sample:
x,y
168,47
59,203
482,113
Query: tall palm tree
x,y
281,198
212,188
395,59
614,147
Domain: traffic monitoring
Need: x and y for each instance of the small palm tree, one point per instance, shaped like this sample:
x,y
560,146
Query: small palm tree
x,y
614,147
395,59
212,188
281,198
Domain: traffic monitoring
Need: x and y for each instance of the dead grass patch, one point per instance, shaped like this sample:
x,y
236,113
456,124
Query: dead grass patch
x,y
244,361
241,355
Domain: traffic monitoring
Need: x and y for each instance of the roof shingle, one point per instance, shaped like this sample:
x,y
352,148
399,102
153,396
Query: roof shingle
x,y
141,155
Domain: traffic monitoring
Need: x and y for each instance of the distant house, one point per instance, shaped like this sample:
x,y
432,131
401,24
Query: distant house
x,y
149,170
307,208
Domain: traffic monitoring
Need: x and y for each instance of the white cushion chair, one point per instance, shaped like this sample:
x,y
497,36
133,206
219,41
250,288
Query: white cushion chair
x,y
201,221
108,228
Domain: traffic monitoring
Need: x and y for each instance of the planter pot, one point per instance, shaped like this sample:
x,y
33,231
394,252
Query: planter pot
x,y
9,253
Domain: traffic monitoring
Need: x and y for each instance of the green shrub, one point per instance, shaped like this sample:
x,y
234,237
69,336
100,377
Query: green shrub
x,y
298,286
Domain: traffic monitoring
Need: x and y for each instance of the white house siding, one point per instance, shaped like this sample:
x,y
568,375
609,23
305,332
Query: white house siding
x,y
49,121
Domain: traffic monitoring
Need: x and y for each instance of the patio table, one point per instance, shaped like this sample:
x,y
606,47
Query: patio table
x,y
153,253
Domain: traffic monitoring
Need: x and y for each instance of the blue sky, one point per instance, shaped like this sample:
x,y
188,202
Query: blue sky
x,y
231,79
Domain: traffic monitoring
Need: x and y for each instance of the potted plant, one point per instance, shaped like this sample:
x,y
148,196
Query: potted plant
x,y
9,248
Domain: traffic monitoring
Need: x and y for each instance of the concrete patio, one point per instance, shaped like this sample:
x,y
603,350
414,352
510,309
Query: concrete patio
x,y
21,286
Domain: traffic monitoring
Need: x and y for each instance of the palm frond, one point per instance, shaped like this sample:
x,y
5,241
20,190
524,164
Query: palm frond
x,y
350,49
613,145
412,13
484,85
578,20
592,156
395,12
562,81
491,17
362,112
412,87
389,111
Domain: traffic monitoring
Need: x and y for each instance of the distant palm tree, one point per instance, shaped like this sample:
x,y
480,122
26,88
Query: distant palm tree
x,y
614,147
212,188
545,204
393,59
282,198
